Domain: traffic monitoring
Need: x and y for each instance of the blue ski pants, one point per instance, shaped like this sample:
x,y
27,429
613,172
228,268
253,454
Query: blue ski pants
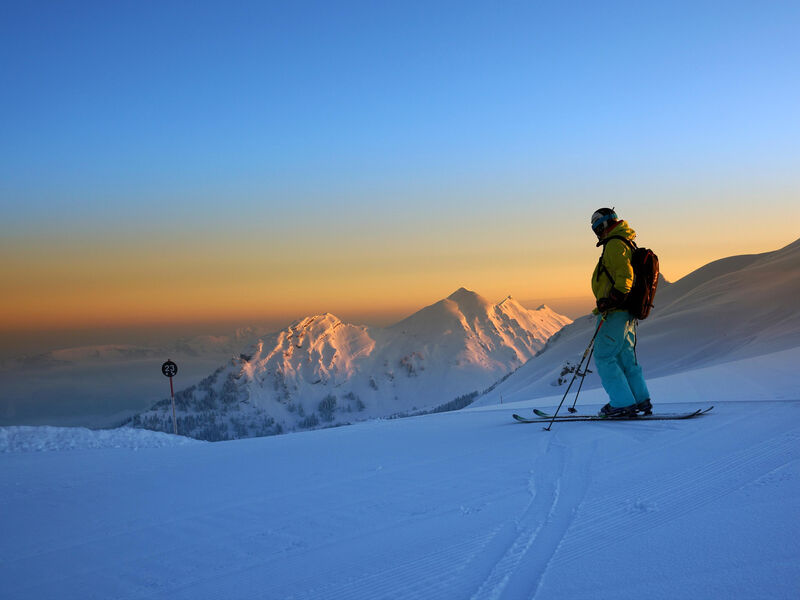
x,y
615,360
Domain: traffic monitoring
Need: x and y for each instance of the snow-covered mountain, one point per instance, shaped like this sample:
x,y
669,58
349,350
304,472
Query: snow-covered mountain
x,y
735,308
321,371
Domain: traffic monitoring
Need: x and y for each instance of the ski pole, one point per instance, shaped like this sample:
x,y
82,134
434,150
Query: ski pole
x,y
583,358
572,408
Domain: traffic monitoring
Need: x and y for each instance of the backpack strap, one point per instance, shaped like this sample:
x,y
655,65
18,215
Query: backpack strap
x,y
631,244
601,267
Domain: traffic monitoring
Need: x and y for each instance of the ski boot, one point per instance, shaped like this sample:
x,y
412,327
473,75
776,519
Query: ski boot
x,y
644,407
617,411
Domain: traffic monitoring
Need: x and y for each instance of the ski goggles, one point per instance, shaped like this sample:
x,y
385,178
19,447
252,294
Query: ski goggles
x,y
599,221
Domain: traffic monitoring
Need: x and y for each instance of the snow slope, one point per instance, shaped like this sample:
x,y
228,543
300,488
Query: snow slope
x,y
459,505
735,308
321,371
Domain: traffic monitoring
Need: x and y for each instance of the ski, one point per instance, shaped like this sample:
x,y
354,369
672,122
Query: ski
x,y
546,415
653,417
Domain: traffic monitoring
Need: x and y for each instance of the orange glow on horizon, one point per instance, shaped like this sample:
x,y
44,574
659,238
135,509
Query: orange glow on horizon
x,y
149,279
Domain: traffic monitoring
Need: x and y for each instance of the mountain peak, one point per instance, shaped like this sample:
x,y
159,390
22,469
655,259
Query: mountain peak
x,y
510,303
469,303
462,293
326,317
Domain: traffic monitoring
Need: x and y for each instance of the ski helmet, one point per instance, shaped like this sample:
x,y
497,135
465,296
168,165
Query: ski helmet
x,y
601,217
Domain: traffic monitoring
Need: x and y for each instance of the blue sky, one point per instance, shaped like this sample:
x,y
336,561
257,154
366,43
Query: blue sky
x,y
164,97
461,128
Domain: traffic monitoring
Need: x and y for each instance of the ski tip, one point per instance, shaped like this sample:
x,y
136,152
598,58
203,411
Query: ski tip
x,y
521,419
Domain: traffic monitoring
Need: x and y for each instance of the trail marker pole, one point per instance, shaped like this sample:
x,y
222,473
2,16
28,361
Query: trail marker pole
x,y
170,369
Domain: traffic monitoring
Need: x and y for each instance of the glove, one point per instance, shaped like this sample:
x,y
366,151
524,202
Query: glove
x,y
613,301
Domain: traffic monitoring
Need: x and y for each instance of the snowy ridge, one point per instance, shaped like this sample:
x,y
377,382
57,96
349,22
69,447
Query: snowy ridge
x,y
479,331
321,371
316,350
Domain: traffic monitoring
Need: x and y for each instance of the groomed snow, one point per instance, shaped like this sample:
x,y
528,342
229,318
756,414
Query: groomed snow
x,y
463,505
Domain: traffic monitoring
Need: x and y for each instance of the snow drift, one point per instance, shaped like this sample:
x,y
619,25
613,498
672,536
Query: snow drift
x,y
48,439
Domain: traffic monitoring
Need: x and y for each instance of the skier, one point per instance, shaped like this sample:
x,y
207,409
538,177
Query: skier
x,y
615,345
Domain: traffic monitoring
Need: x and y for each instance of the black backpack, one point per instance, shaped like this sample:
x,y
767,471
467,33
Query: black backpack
x,y
645,278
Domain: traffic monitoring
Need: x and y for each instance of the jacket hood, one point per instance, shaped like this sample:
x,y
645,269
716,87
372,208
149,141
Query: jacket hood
x,y
621,229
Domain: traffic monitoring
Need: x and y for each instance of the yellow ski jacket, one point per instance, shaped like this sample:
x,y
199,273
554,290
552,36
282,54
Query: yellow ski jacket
x,y
616,259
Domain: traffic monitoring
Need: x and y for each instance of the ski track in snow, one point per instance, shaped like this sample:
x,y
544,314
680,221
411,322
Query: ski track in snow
x,y
557,492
